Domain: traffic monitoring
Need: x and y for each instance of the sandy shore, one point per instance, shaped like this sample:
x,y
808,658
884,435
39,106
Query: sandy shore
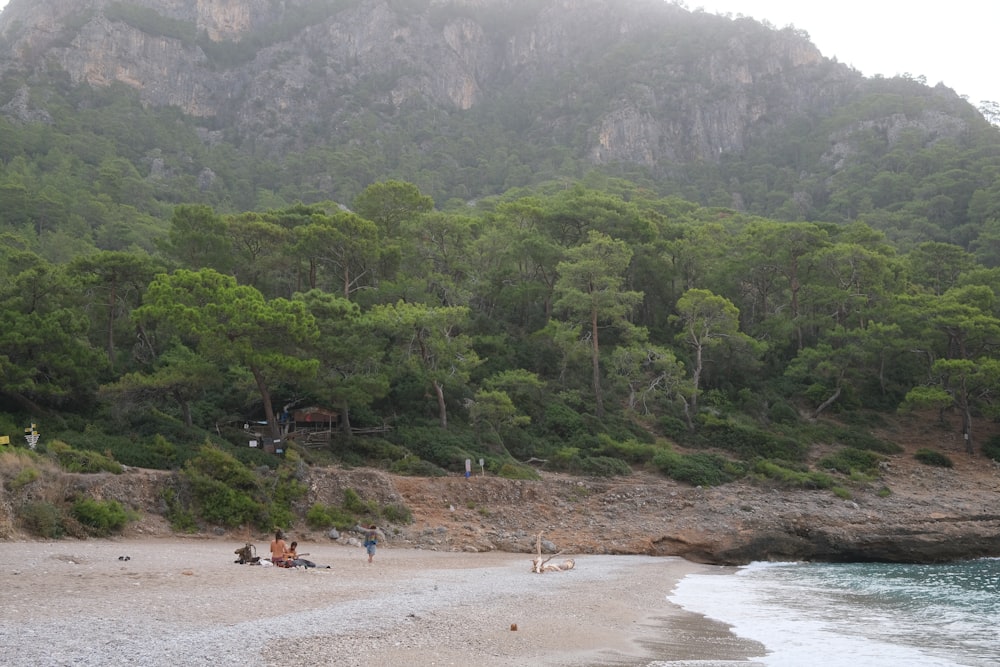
x,y
185,602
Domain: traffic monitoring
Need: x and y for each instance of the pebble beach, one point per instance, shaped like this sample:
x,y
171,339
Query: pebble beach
x,y
183,601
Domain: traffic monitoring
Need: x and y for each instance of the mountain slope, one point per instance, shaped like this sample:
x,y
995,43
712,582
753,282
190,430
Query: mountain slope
x,y
468,98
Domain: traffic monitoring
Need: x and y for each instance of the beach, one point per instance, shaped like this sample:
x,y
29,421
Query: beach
x,y
183,601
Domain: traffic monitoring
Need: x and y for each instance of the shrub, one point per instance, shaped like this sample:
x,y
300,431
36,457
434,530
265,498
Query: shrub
x,y
566,458
100,517
783,413
698,469
24,478
378,449
748,442
225,491
860,439
604,466
850,459
354,503
223,467
164,452
318,516
991,447
562,421
446,449
43,520
225,506
396,513
413,466
629,450
672,427
321,516
84,461
514,471
795,478
933,458
181,519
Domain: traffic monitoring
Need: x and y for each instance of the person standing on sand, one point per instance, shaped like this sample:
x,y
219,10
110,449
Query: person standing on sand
x,y
278,549
371,539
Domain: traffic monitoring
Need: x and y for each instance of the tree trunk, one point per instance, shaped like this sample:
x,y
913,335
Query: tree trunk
x,y
185,407
596,363
113,296
827,403
265,396
442,408
966,418
345,418
696,378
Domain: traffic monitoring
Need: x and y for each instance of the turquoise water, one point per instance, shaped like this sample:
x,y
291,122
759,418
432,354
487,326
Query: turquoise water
x,y
857,615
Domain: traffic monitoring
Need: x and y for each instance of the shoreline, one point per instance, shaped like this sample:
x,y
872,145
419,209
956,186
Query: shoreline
x,y
184,601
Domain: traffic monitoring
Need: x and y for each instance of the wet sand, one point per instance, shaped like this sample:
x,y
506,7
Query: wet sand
x,y
183,601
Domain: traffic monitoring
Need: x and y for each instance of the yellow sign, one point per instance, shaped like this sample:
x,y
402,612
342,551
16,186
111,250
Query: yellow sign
x,y
4,439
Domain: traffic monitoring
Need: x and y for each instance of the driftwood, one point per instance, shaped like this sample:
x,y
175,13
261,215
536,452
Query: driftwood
x,y
541,566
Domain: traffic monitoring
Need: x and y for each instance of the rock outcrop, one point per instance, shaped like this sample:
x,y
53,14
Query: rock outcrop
x,y
643,82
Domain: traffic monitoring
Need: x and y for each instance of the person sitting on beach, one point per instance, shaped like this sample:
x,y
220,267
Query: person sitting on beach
x,y
292,558
278,549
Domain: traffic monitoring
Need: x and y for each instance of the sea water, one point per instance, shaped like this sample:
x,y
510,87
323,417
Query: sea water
x,y
857,614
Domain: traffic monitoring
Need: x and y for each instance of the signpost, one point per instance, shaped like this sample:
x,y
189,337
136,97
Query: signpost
x,y
31,435
468,468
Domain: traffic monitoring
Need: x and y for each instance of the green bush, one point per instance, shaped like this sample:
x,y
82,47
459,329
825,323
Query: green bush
x,y
397,513
447,449
414,466
748,442
42,520
227,493
321,517
223,505
565,458
698,469
859,439
223,467
100,517
24,478
770,470
514,471
562,421
354,503
991,447
84,461
933,458
181,519
604,466
629,450
781,412
850,459
378,449
672,427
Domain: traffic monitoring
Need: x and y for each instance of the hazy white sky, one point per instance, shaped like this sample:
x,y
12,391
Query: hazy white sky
x,y
951,41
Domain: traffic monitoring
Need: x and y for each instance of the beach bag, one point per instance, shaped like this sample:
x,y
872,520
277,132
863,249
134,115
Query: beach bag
x,y
245,554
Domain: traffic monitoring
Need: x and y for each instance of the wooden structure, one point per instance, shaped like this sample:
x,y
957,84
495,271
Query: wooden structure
x,y
312,426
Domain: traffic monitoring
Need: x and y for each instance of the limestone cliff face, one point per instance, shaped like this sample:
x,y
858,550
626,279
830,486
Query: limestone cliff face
x,y
650,83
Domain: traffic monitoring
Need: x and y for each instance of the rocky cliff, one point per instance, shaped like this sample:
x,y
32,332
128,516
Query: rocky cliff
x,y
643,82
